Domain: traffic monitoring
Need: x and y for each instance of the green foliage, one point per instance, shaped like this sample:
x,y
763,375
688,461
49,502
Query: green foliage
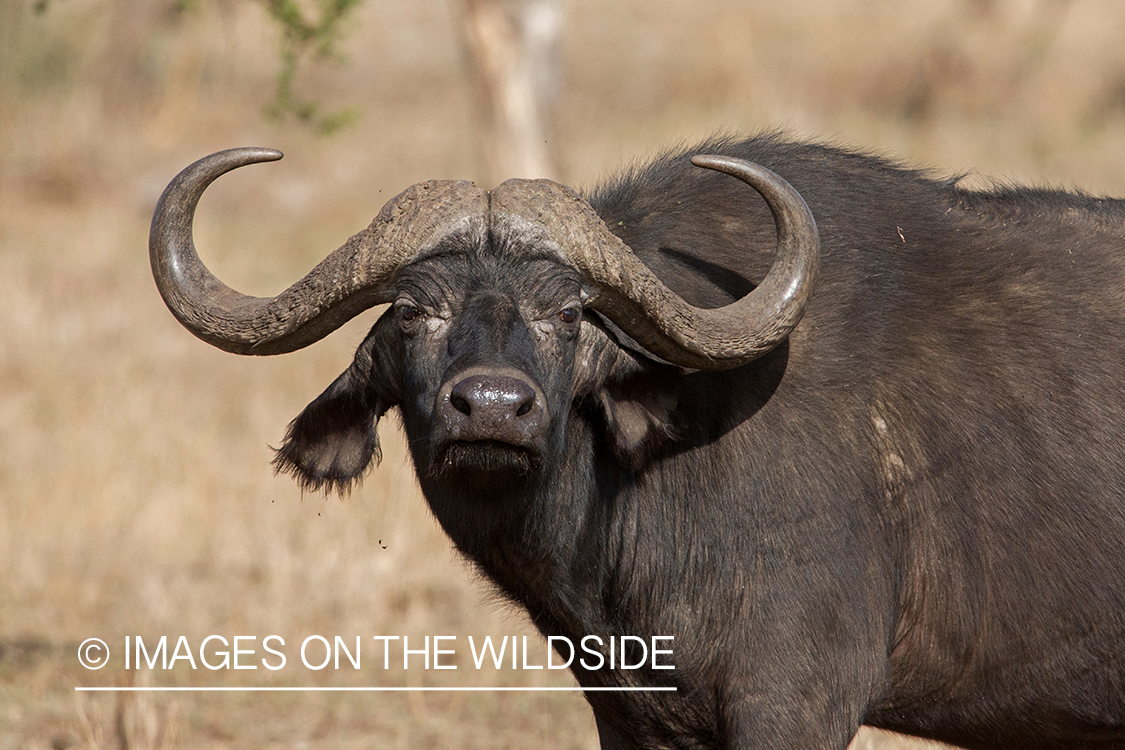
x,y
301,39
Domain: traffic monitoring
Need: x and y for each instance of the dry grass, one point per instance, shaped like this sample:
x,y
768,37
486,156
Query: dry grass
x,y
136,495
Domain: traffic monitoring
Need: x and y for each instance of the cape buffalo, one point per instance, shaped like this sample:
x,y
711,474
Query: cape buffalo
x,y
871,477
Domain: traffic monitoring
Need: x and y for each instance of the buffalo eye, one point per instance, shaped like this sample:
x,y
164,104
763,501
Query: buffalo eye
x,y
569,316
407,313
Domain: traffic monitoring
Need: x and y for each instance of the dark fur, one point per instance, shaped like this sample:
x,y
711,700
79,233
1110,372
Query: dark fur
x,y
910,515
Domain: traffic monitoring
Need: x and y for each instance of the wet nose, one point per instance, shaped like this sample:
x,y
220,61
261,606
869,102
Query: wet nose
x,y
492,397
486,406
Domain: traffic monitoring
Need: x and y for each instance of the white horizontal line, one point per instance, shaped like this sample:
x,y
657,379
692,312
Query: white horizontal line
x,y
364,689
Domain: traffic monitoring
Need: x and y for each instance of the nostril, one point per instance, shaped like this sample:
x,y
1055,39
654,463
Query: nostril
x,y
525,407
459,403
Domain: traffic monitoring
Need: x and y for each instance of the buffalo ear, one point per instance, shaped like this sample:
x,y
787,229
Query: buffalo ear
x,y
637,393
333,441
638,427
639,402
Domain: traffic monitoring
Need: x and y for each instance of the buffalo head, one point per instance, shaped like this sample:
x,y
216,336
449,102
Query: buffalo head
x,y
507,307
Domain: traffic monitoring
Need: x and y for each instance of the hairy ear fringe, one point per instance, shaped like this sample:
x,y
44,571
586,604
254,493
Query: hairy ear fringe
x,y
328,477
333,442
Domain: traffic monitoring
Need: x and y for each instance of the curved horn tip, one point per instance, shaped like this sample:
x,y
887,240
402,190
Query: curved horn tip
x,y
202,172
728,164
226,160
263,154
246,155
258,153
705,160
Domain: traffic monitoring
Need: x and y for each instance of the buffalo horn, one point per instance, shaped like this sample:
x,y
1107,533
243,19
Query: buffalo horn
x,y
629,294
352,279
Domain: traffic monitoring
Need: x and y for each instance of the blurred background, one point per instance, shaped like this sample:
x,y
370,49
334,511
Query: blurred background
x,y
136,493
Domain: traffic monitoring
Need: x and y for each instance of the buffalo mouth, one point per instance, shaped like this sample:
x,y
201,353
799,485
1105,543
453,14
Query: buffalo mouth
x,y
488,460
